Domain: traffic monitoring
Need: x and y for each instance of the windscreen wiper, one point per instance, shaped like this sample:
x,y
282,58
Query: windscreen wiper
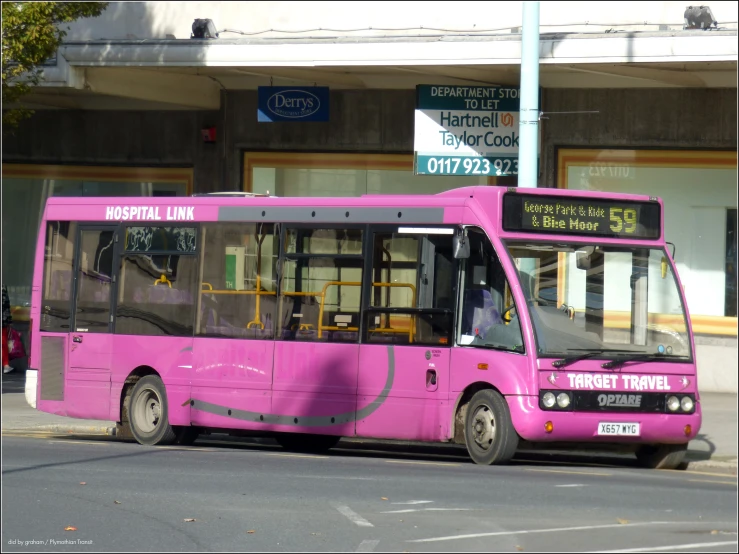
x,y
589,354
637,358
518,348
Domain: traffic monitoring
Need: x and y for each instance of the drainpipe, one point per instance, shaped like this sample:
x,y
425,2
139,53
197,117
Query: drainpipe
x,y
529,95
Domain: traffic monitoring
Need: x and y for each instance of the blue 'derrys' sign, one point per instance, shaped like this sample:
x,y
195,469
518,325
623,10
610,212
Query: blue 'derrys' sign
x,y
293,104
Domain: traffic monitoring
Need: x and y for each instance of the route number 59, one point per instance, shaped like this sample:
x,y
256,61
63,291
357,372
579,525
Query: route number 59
x,y
623,220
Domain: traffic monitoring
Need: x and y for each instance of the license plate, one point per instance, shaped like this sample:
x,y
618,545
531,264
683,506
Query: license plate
x,y
619,429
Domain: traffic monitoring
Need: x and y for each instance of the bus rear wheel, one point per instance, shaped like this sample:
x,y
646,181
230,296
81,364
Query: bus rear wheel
x,y
661,456
299,442
488,429
148,411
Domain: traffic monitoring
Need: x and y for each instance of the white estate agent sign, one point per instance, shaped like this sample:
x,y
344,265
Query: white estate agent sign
x,y
466,130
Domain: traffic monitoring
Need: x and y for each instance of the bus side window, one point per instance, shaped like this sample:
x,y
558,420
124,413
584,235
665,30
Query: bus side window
x,y
56,308
413,289
489,316
321,285
237,285
157,284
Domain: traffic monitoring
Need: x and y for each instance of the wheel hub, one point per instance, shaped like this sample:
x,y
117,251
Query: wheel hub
x,y
147,410
483,427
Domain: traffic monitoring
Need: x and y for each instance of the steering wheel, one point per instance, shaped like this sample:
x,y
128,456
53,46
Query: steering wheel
x,y
504,312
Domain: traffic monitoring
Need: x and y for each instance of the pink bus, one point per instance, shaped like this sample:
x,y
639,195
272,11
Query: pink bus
x,y
498,318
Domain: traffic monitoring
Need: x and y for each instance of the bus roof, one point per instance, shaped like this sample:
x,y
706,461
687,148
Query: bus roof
x,y
236,198
480,205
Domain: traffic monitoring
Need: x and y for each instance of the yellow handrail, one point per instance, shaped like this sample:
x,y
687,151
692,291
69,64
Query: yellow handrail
x,y
257,315
248,292
322,296
256,322
258,293
163,279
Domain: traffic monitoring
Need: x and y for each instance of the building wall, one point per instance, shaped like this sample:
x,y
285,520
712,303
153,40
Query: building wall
x,y
121,138
363,121
378,121
637,118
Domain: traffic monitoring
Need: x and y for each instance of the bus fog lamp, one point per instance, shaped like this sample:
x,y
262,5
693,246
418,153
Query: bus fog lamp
x,y
563,400
549,426
673,403
686,403
548,399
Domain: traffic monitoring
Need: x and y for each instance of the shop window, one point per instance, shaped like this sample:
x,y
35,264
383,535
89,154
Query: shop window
x,y
56,309
698,189
157,285
334,175
321,285
413,288
731,269
238,292
26,187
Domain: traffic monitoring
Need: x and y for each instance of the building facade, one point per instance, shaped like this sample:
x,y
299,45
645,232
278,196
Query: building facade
x,y
133,106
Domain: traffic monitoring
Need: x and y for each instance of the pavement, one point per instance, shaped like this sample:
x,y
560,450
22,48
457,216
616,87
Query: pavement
x,y
714,449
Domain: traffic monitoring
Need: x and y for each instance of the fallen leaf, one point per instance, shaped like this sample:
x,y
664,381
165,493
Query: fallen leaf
x,y
251,531
383,498
117,501
714,532
622,521
519,548
70,528
401,520
82,483
189,519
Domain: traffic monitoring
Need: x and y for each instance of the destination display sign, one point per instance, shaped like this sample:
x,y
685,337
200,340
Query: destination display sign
x,y
581,216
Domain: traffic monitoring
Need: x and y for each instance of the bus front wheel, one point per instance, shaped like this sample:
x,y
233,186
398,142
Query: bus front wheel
x,y
661,456
148,411
488,430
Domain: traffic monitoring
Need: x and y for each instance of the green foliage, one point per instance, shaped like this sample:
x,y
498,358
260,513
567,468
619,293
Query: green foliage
x,y
32,33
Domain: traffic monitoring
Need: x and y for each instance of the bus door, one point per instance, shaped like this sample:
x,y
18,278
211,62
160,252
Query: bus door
x,y
490,343
408,317
90,344
317,345
55,321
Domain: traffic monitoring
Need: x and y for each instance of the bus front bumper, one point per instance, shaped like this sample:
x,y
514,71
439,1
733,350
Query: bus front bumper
x,y
537,425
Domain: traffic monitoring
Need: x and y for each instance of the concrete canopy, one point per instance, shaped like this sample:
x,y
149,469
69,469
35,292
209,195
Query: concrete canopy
x,y
190,74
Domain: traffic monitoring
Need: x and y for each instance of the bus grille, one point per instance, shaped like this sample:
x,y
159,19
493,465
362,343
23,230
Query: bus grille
x,y
51,371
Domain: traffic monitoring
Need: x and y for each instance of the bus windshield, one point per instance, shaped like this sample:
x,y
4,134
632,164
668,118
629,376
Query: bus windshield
x,y
591,298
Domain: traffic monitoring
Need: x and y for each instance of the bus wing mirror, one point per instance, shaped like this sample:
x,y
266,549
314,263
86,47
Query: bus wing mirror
x,y
461,245
583,257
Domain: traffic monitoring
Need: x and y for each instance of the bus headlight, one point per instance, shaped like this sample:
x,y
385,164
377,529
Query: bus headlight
x,y
686,404
548,399
673,403
563,400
